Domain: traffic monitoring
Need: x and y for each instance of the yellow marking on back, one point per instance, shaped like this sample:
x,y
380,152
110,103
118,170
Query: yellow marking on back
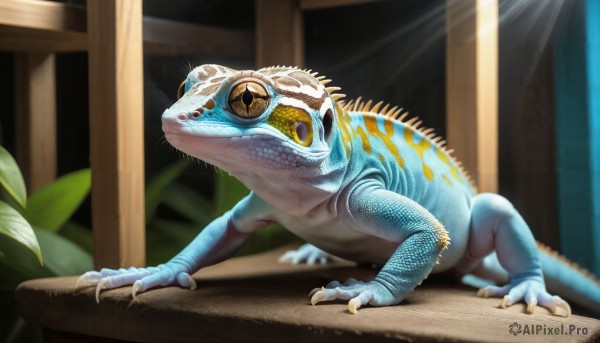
x,y
420,148
373,129
365,140
381,158
285,118
453,169
447,180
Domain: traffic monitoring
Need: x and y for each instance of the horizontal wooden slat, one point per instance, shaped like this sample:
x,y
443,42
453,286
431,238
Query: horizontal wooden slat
x,y
42,15
38,26
163,36
308,5
35,40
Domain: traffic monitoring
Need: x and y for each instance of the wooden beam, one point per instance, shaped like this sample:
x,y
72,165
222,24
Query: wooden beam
x,y
42,15
35,102
308,5
116,130
472,87
42,26
163,36
279,33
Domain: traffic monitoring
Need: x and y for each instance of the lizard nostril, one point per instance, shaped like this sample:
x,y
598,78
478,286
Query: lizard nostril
x,y
182,116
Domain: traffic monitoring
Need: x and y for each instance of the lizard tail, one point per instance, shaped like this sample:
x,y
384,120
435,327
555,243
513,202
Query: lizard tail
x,y
568,280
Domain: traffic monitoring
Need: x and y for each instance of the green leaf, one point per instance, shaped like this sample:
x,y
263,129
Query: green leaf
x,y
62,256
53,205
78,234
14,226
11,179
155,188
188,203
229,191
181,233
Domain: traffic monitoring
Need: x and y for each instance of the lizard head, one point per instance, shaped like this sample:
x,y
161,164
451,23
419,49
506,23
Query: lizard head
x,y
272,122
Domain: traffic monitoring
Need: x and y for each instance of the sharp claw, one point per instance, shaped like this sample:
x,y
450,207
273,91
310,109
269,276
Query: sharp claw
x,y
318,297
353,306
193,284
314,290
101,285
531,306
136,287
483,293
505,302
82,282
561,304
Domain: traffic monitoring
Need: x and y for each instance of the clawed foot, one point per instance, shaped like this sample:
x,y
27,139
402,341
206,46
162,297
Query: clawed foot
x,y
141,279
358,292
532,292
306,253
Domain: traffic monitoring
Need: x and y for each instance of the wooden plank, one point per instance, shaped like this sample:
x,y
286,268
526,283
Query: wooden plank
x,y
163,36
42,26
42,15
279,33
472,87
256,299
308,5
116,130
35,105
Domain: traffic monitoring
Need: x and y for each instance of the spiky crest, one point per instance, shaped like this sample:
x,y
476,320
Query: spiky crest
x,y
586,273
395,113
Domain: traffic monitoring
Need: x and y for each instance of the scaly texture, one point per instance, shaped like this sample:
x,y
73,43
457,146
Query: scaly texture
x,y
355,179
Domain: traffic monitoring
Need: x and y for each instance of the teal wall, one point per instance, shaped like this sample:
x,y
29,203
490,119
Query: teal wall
x,y
577,82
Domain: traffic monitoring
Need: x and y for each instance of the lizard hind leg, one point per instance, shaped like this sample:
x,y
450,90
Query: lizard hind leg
x,y
497,226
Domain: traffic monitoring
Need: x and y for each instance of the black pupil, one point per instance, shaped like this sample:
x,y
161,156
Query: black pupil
x,y
247,97
327,122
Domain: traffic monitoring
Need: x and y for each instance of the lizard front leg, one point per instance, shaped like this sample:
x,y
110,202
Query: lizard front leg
x,y
217,242
393,217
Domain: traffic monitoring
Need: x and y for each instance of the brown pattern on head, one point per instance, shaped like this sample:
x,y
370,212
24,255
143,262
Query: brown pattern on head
x,y
218,79
210,89
314,103
305,79
287,81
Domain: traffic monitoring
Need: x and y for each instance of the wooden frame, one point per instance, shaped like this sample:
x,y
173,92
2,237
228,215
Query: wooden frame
x,y
35,107
472,87
117,131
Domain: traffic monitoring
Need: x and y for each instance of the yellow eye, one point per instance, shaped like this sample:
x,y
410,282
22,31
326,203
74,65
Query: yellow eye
x,y
248,99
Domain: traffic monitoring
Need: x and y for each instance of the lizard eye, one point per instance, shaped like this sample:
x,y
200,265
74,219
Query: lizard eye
x,y
181,90
248,100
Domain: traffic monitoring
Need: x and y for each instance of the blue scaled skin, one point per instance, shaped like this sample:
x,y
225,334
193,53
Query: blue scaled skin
x,y
354,180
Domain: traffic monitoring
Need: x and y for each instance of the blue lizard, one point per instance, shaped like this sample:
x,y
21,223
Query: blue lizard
x,y
354,180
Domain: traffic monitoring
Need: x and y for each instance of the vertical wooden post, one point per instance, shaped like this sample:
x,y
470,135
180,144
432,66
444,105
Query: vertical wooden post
x,y
279,33
472,87
35,93
116,130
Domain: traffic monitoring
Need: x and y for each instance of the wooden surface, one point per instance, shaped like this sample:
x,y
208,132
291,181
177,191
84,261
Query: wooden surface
x,y
35,104
117,131
472,87
279,33
256,299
